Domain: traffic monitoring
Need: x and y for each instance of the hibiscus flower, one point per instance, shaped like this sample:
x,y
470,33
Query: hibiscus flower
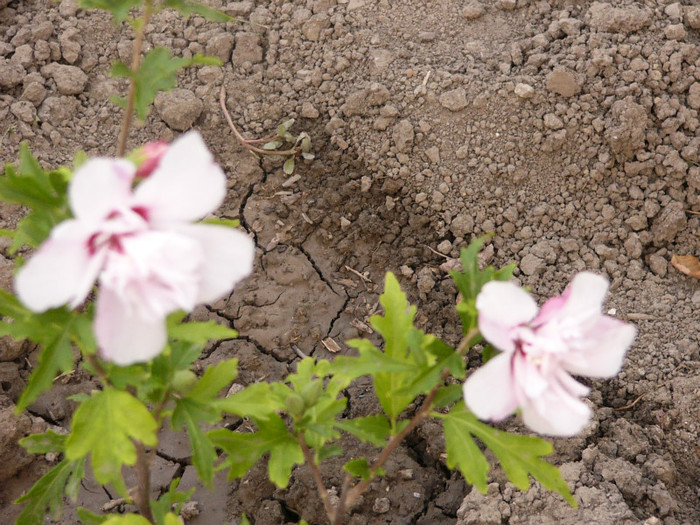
x,y
569,335
139,243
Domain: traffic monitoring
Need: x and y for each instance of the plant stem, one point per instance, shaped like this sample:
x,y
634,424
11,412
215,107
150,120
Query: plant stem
x,y
348,497
142,469
99,370
135,61
245,142
316,473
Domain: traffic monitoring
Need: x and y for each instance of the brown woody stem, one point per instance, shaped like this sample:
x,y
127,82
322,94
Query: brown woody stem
x,y
135,61
316,473
142,469
348,497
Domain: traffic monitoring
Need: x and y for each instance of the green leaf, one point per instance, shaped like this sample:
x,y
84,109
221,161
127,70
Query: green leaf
x,y
199,406
90,518
329,451
45,493
55,357
272,145
42,192
127,519
470,281
119,8
283,457
447,395
244,520
49,441
243,450
194,8
372,429
158,72
201,332
172,519
215,378
229,223
104,426
395,328
308,156
488,353
431,376
289,166
83,335
256,400
462,451
358,468
520,456
188,413
173,499
369,362
75,480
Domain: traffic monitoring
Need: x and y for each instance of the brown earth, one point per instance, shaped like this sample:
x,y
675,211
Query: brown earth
x,y
567,128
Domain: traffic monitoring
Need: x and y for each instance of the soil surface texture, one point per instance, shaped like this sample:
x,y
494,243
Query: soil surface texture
x,y
567,128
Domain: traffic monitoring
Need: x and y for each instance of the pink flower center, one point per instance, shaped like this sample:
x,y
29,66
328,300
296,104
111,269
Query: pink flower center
x,y
117,226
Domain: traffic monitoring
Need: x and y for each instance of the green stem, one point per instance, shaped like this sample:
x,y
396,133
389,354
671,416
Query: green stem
x,y
135,61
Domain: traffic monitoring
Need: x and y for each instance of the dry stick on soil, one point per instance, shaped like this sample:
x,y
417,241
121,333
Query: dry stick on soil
x,y
348,497
248,143
135,60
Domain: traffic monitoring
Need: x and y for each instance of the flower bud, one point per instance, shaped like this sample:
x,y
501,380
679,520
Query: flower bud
x,y
311,392
294,404
183,381
148,157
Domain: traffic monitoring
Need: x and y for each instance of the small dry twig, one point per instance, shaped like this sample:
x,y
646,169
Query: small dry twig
x,y
249,143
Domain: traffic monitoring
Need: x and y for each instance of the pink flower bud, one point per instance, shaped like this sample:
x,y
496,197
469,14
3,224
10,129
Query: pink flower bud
x,y
149,156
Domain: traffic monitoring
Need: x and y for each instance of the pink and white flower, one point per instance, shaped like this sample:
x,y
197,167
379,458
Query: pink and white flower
x,y
141,245
569,335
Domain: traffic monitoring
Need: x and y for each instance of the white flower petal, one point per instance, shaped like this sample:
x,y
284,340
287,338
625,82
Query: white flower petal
x,y
601,350
99,187
186,185
503,306
62,270
227,258
584,297
490,391
556,413
123,337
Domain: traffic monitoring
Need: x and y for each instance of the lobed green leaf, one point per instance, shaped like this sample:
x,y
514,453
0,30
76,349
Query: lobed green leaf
x,y
257,400
195,8
189,413
201,332
47,492
158,72
119,8
359,468
44,443
243,450
519,456
371,429
90,518
104,427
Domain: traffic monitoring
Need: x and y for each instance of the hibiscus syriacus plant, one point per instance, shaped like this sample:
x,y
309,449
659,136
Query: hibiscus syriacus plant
x,y
137,239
